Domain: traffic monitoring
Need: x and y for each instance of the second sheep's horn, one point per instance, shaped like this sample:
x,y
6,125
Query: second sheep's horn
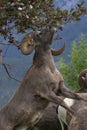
x,y
58,52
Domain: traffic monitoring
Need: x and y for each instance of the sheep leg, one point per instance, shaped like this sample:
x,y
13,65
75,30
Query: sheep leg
x,y
68,93
52,97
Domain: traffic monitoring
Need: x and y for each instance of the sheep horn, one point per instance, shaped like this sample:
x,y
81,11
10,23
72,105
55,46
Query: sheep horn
x,y
80,78
26,46
58,52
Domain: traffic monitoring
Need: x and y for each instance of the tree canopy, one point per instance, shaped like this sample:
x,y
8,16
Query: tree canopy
x,y
34,14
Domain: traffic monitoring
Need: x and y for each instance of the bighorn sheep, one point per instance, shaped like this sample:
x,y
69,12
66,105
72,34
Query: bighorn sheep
x,y
39,87
79,120
49,120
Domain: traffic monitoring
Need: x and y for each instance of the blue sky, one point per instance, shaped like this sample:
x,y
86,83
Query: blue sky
x,y
66,4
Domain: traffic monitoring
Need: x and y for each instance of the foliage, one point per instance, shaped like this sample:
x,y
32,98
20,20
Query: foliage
x,y
77,61
34,14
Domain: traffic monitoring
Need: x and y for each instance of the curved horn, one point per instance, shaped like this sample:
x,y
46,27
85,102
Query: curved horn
x,y
80,79
58,52
26,49
26,46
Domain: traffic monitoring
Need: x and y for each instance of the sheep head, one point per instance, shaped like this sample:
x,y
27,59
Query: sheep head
x,y
82,80
42,39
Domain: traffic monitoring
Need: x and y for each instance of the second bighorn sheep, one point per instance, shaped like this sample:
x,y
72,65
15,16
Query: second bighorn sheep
x,y
41,85
78,120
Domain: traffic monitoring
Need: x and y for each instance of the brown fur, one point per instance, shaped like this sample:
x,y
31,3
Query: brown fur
x,y
79,119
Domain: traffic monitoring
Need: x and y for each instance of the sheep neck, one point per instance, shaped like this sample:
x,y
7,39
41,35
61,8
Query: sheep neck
x,y
43,57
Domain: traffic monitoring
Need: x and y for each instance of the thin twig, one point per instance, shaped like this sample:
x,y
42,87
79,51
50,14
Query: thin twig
x,y
9,73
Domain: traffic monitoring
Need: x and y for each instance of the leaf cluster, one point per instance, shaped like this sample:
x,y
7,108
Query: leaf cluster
x,y
34,14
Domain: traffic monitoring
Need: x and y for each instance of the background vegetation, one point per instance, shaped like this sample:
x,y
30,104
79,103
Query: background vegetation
x,y
75,63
